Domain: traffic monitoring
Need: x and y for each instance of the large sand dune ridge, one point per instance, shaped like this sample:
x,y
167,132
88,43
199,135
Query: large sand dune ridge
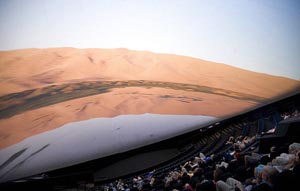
x,y
32,68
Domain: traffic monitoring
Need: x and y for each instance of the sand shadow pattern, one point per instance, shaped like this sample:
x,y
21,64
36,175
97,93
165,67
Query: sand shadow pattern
x,y
16,103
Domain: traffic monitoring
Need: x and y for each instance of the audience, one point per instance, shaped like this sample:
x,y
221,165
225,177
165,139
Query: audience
x,y
275,171
233,171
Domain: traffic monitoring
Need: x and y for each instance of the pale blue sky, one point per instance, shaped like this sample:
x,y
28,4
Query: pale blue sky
x,y
259,35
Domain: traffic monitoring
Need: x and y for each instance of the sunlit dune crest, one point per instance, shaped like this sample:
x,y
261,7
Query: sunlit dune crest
x,y
33,68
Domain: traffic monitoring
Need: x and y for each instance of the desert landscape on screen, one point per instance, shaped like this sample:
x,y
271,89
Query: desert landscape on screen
x,y
44,89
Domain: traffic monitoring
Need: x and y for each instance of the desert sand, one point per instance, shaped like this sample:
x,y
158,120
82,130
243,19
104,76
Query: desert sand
x,y
31,69
118,102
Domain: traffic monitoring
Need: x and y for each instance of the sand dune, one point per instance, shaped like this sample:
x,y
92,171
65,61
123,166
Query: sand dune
x,y
33,68
49,72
